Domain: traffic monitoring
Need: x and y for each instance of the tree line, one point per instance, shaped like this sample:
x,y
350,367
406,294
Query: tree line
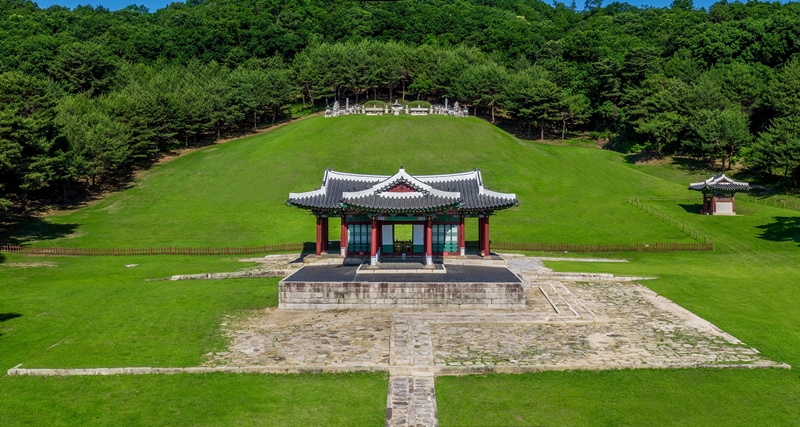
x,y
86,94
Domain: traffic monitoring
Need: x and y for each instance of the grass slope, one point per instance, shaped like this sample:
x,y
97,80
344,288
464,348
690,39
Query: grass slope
x,y
88,312
233,194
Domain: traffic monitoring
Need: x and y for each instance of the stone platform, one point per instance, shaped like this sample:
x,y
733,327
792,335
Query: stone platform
x,y
325,287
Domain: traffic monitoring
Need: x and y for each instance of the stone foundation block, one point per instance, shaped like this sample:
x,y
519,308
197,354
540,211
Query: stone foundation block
x,y
340,295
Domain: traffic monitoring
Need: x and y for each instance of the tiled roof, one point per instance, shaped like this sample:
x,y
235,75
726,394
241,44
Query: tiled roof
x,y
720,183
402,193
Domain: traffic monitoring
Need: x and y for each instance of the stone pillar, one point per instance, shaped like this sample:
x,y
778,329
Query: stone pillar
x,y
428,242
486,250
373,244
343,239
462,245
318,249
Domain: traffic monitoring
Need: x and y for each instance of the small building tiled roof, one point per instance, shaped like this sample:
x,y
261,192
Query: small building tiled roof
x,y
720,183
402,193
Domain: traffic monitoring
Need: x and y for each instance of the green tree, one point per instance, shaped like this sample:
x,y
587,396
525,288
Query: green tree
x,y
84,67
533,98
574,109
778,149
28,155
99,145
722,133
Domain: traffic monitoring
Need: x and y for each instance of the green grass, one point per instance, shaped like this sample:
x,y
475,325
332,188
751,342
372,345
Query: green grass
x,y
233,194
94,312
192,400
685,397
70,312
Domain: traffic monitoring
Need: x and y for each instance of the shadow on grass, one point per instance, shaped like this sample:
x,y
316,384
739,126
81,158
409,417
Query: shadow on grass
x,y
8,316
23,229
783,229
687,165
693,208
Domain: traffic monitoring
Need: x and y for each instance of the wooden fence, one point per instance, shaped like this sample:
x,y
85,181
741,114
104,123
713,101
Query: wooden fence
x,y
308,247
631,247
692,232
247,250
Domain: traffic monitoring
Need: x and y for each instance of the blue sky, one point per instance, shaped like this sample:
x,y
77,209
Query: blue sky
x,y
154,5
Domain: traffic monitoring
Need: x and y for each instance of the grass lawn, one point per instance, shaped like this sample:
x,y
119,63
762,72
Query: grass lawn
x,y
192,400
233,194
683,397
95,312
71,312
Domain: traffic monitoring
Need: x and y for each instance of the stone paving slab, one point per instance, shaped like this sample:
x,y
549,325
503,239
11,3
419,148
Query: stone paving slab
x,y
307,338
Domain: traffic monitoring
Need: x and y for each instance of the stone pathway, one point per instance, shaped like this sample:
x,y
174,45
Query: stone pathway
x,y
411,401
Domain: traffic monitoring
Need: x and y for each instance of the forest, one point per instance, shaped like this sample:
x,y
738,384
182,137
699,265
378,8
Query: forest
x,y
88,95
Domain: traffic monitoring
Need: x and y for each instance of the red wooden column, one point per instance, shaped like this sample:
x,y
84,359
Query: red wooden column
x,y
428,241
324,235
480,234
373,244
319,236
343,239
486,251
461,237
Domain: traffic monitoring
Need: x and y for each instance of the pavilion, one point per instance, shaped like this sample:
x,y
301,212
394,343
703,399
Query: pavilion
x,y
370,205
718,194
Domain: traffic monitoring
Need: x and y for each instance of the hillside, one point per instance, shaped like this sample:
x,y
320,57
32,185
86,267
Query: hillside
x,y
233,194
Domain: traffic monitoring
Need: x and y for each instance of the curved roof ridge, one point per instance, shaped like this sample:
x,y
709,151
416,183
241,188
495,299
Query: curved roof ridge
x,y
498,194
330,173
451,176
720,182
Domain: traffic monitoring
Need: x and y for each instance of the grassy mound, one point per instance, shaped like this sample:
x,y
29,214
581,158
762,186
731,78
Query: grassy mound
x,y
417,104
375,104
233,194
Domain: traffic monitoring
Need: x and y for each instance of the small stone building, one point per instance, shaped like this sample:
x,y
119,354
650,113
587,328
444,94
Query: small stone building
x,y
718,194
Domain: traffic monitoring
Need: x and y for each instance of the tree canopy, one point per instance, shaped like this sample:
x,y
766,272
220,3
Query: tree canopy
x,y
89,93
